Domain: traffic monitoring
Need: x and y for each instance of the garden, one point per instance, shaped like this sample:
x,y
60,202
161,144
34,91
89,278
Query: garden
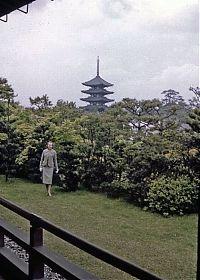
x,y
128,177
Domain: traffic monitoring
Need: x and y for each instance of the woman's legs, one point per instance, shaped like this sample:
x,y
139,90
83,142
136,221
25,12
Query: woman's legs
x,y
48,187
49,190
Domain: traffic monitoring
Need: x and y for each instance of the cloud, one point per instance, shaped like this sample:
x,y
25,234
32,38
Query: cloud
x,y
179,78
116,8
38,5
145,47
184,20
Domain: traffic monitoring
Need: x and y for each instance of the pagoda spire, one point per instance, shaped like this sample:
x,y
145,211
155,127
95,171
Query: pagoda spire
x,y
97,65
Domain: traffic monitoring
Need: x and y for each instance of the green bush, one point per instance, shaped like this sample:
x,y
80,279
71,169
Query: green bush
x,y
172,196
68,177
118,188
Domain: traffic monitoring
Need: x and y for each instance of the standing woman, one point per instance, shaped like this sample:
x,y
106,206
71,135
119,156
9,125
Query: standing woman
x,y
47,163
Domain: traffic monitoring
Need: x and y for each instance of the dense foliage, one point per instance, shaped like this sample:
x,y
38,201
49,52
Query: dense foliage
x,y
146,151
171,196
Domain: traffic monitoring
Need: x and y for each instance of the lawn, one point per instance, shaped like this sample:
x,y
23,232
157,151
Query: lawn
x,y
165,246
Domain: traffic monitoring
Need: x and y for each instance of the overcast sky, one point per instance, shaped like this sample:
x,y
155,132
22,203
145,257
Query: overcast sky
x,y
145,47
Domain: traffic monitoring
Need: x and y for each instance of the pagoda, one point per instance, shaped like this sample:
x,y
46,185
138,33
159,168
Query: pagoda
x,y
97,93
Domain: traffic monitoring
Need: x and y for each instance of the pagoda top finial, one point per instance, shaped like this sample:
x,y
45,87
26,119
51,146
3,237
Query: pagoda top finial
x,y
97,81
97,65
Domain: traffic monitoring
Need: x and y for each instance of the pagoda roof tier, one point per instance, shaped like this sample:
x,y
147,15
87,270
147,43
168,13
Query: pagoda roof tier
x,y
94,108
100,91
97,81
97,99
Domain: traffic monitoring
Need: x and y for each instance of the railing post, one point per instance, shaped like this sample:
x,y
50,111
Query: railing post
x,y
198,238
36,266
1,240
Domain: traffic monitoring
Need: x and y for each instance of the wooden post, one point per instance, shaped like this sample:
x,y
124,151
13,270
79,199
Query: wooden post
x,y
198,238
36,267
1,240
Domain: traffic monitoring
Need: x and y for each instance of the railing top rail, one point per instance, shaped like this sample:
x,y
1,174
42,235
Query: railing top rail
x,y
80,243
95,250
15,208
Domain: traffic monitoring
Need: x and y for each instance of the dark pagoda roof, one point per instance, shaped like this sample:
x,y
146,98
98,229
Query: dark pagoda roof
x,y
100,91
97,99
97,81
94,108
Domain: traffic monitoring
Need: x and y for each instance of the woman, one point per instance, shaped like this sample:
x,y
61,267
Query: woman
x,y
47,163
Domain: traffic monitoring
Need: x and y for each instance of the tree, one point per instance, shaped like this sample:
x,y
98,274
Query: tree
x,y
195,101
6,96
194,120
68,166
171,97
65,110
40,103
173,111
9,145
9,150
149,116
62,103
140,113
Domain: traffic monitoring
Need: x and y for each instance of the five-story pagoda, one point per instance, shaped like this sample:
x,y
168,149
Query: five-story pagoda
x,y
97,92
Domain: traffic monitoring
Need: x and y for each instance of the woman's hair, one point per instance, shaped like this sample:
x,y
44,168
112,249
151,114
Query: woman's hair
x,y
49,142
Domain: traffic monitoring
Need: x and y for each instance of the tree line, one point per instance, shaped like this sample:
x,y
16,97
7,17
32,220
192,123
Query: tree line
x,y
146,151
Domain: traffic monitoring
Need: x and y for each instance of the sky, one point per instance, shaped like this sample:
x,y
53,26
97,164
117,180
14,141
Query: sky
x,y
145,47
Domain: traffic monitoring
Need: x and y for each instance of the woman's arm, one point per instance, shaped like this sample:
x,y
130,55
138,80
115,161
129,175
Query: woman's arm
x,y
55,161
41,160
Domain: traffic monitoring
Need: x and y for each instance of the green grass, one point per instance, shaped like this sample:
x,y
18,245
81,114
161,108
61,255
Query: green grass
x,y
165,246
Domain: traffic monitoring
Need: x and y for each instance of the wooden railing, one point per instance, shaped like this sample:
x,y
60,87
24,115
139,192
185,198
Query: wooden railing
x,y
14,268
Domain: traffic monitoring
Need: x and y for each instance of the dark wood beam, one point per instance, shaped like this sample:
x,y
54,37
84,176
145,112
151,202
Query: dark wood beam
x,y
8,6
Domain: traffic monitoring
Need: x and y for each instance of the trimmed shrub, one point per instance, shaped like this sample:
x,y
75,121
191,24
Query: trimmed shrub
x,y
118,188
170,196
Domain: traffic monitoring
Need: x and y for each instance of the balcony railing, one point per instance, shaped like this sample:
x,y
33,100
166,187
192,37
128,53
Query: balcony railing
x,y
14,268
